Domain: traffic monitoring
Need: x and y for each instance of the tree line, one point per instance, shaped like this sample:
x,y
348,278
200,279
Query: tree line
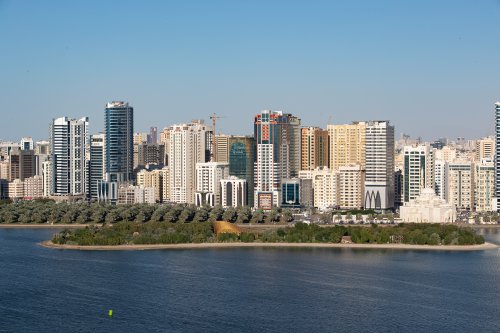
x,y
127,232
49,211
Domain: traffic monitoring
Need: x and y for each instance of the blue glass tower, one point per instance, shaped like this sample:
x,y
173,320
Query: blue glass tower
x,y
119,130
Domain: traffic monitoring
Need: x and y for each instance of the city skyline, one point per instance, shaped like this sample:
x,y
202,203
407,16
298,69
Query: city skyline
x,y
407,63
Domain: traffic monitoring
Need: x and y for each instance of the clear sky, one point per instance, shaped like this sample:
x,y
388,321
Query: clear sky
x,y
431,67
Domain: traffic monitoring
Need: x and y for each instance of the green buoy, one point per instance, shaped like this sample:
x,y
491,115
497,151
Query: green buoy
x,y
110,313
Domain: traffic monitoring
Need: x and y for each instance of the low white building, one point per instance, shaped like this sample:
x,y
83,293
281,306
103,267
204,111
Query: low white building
x,y
428,208
233,192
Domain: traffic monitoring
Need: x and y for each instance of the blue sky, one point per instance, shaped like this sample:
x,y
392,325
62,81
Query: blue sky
x,y
431,67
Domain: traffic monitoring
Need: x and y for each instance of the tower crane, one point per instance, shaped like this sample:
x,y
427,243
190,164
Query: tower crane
x,y
213,146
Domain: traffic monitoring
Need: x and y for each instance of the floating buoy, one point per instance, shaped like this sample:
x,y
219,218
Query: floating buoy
x,y
110,313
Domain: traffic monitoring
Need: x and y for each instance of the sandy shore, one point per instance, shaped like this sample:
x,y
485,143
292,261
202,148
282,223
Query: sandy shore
x,y
42,226
485,246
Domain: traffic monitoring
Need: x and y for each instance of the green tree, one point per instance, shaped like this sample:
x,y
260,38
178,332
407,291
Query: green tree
x,y
230,215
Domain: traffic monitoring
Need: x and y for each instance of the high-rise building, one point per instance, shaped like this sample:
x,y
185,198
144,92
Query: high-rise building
x,y
485,149
398,187
189,144
290,193
153,135
97,163
306,189
69,143
119,131
157,179
314,148
418,170
241,158
326,189
221,148
351,186
484,185
42,148
294,144
27,143
497,155
277,138
379,165
149,153
441,179
42,154
165,141
461,184
208,182
22,164
47,178
347,144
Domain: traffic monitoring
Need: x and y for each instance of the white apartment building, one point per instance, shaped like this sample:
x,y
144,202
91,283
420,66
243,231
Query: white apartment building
x,y
233,192
208,182
326,189
379,165
441,179
188,145
418,170
69,143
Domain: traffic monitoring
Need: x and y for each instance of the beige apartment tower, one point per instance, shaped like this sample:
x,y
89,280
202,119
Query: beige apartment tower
x,y
314,148
351,186
347,144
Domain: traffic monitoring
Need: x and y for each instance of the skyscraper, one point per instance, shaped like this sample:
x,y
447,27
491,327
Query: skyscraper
x,y
379,165
347,144
418,170
497,154
314,148
97,164
188,144
119,131
277,137
68,146
153,135
241,163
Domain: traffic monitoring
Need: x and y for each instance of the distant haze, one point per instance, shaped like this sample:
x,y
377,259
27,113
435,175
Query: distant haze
x,y
430,67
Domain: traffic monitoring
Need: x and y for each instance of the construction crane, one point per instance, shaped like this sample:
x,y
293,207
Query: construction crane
x,y
213,146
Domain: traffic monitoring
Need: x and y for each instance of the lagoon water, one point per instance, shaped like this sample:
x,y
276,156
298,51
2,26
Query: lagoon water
x,y
245,290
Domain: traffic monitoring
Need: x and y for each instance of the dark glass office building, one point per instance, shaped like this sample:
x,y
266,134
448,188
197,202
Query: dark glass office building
x,y
241,161
119,128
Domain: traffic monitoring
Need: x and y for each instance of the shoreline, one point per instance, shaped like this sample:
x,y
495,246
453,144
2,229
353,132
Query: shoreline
x,y
187,246
44,225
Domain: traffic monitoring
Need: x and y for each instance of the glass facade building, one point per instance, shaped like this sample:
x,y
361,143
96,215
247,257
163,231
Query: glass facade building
x,y
241,159
119,143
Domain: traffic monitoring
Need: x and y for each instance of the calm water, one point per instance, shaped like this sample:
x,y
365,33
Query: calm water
x,y
245,290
